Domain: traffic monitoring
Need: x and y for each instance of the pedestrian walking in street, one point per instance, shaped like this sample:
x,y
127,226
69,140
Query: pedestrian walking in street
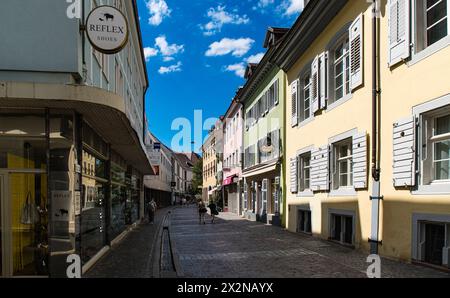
x,y
213,208
201,212
151,211
183,202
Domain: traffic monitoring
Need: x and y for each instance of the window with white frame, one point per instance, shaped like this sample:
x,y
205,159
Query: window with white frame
x,y
436,146
304,171
432,22
305,104
341,68
441,148
342,228
342,171
432,239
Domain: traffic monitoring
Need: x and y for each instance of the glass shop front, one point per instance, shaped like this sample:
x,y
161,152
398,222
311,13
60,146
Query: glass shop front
x,y
63,191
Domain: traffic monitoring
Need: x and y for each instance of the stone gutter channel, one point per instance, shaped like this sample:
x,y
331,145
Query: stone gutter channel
x,y
165,258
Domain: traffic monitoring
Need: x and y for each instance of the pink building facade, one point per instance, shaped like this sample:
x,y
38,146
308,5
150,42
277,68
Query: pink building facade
x,y
232,157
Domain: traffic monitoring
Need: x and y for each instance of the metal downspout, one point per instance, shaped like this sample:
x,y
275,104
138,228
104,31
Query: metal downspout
x,y
376,196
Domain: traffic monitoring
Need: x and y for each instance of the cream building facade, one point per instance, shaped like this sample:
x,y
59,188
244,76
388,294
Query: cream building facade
x,y
328,57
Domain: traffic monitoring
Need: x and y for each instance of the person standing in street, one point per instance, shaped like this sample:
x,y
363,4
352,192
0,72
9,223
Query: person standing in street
x,y
213,208
151,211
201,212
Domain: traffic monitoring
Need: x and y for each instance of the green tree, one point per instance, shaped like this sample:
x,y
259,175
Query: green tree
x,y
197,179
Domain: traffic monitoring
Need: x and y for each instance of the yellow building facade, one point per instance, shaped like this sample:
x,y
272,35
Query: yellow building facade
x,y
328,58
210,162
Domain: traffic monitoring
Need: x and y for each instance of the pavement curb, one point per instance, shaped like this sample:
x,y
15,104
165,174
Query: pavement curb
x,y
175,256
155,256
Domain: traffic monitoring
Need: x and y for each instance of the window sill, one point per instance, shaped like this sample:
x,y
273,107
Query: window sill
x,y
343,192
433,189
338,102
305,193
425,53
305,122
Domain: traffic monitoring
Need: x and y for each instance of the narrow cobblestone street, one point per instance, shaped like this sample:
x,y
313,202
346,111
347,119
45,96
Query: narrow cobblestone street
x,y
237,248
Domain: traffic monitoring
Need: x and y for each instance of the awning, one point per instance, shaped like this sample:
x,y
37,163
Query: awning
x,y
228,180
260,170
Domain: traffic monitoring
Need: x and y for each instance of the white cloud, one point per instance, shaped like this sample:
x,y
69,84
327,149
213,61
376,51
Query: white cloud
x,y
238,69
158,10
171,68
150,52
263,4
255,58
166,48
166,51
219,17
237,47
291,7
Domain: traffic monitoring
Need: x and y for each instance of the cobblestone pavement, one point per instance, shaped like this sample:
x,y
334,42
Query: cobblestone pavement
x,y
237,248
131,258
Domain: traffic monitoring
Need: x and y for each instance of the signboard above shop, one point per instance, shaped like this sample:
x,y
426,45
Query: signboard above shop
x,y
107,29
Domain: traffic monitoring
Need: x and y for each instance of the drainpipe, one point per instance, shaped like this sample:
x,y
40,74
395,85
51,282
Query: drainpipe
x,y
376,196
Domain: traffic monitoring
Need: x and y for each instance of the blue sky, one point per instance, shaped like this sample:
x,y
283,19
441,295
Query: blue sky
x,y
196,52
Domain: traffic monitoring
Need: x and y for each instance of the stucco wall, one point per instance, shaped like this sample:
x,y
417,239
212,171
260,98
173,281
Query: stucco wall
x,y
402,87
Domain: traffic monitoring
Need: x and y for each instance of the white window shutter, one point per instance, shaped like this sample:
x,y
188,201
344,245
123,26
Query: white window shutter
x,y
314,169
315,85
360,160
404,153
319,169
323,80
399,23
356,38
247,120
293,172
277,88
294,103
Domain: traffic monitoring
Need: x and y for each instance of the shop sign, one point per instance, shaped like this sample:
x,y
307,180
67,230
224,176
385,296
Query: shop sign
x,y
154,156
107,29
61,205
77,203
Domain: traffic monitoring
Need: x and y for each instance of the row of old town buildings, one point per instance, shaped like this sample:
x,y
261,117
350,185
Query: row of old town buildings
x,y
342,131
77,162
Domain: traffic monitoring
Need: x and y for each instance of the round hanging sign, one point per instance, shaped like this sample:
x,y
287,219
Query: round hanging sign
x,y
107,29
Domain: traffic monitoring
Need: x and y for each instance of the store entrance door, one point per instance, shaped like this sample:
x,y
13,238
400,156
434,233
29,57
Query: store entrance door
x,y
24,224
